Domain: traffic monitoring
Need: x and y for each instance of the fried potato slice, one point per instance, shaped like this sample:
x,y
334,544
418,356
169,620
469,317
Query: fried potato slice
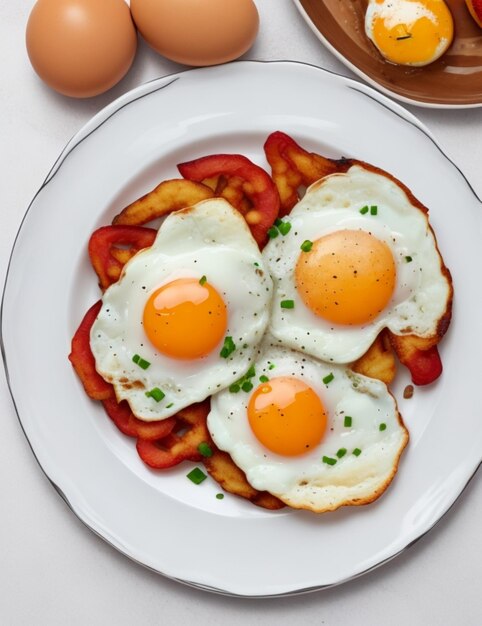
x,y
168,196
182,442
293,167
379,361
223,470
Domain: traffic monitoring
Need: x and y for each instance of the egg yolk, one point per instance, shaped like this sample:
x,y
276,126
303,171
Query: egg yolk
x,y
412,32
348,277
185,319
287,416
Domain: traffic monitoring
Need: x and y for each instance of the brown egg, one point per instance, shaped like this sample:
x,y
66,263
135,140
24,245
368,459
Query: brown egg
x,y
197,32
81,47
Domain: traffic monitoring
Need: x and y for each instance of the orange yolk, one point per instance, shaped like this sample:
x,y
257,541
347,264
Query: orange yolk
x,y
412,32
348,277
184,319
287,416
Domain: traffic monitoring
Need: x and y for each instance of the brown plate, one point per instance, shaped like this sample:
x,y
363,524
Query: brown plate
x,y
455,80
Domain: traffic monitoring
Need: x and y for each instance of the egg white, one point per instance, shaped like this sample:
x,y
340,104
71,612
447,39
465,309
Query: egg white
x,y
422,289
305,481
210,239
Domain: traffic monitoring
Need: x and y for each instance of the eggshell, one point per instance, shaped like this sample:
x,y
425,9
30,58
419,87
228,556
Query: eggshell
x,y
197,32
81,47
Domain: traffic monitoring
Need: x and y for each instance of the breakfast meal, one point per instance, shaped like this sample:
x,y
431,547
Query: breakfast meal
x,y
409,32
255,331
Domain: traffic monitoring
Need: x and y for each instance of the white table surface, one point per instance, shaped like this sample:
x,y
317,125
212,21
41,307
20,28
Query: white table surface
x,y
53,570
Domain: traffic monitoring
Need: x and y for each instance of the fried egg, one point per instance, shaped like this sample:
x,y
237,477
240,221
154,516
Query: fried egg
x,y
357,256
186,315
409,32
315,435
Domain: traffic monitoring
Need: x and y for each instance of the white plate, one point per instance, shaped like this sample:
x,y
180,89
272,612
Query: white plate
x,y
162,520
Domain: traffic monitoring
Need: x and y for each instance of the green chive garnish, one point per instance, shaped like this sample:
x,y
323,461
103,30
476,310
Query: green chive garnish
x,y
168,406
364,210
284,228
142,363
408,259
306,245
234,388
383,427
348,421
287,304
278,221
247,386
228,347
373,210
156,394
328,378
263,379
202,280
273,232
205,449
197,476
251,372
328,460
256,264
220,496
271,365
357,451
341,453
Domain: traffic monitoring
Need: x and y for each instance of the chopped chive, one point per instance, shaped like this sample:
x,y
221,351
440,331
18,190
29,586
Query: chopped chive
x,y
251,372
373,210
364,210
357,451
205,449
247,386
228,347
287,304
348,421
156,394
263,379
256,264
271,366
273,232
234,388
306,245
219,496
168,406
142,363
328,460
328,378
284,228
341,453
202,280
278,221
196,476
383,427
408,259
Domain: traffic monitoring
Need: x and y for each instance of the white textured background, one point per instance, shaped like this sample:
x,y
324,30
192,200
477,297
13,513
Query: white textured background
x,y
53,570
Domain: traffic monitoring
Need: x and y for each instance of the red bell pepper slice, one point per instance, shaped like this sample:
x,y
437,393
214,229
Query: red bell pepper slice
x,y
110,247
120,413
83,361
182,446
425,366
256,184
